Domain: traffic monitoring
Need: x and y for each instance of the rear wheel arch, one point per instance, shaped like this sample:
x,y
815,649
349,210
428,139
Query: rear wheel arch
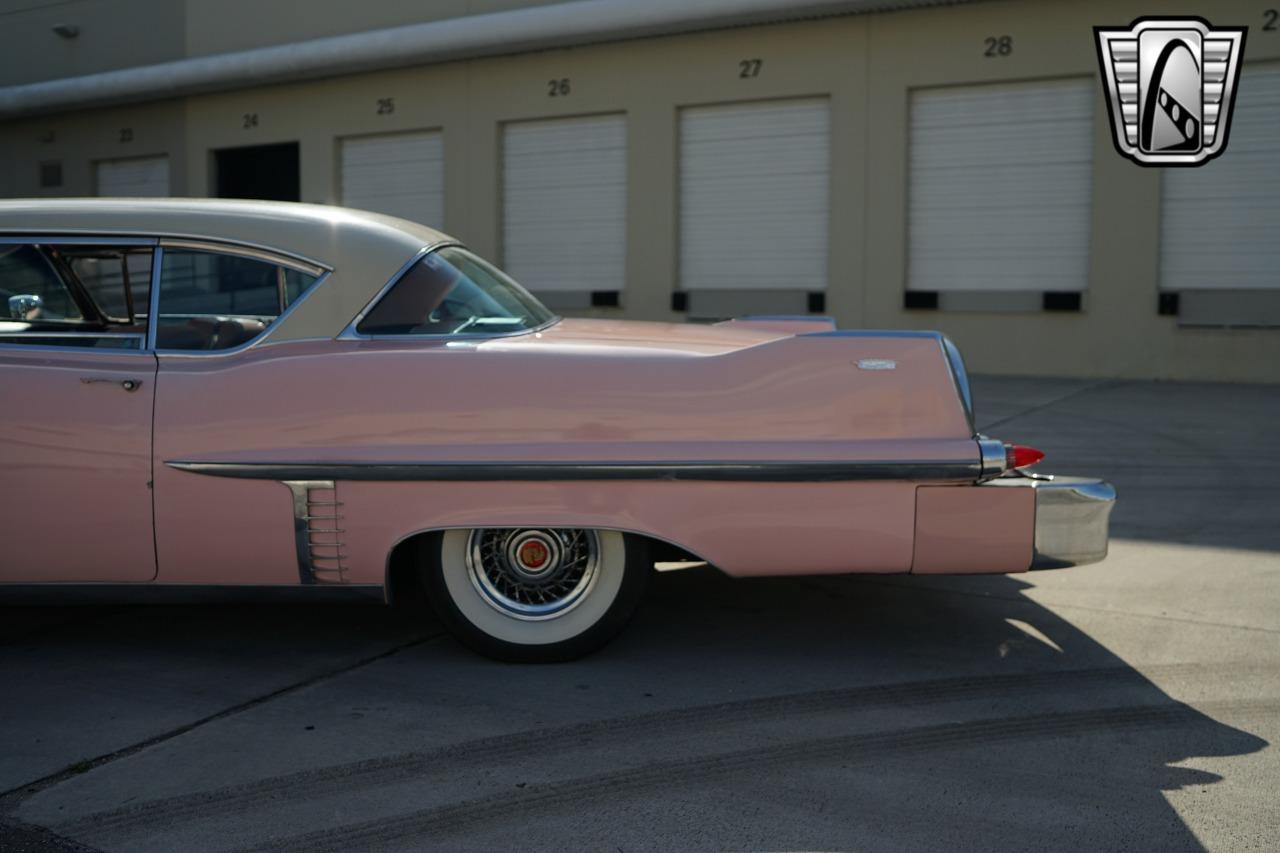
x,y
423,569
402,587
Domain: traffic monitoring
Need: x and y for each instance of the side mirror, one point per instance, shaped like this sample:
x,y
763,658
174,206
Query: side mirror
x,y
24,305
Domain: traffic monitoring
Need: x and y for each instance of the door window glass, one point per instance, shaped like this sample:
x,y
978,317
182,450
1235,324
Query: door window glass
x,y
31,288
74,295
118,280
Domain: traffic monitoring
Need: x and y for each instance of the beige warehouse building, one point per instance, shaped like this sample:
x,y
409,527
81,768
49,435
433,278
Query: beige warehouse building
x,y
892,164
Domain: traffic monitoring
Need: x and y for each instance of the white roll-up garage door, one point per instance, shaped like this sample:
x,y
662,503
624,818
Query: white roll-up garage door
x,y
564,203
399,174
754,190
1219,222
136,177
1000,187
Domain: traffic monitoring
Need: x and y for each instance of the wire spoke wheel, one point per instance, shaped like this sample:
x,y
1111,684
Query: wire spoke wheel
x,y
532,573
536,593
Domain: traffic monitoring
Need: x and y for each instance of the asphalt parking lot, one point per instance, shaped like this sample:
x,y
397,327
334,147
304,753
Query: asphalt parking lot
x,y
1133,704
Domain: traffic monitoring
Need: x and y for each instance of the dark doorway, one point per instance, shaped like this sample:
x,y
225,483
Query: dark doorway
x,y
258,171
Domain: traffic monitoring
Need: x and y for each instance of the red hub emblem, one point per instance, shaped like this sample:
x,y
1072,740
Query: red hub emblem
x,y
533,554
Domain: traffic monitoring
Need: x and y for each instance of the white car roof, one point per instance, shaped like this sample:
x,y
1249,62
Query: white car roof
x,y
363,250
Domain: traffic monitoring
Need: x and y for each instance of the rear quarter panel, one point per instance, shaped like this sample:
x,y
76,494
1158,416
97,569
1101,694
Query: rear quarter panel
x,y
742,528
549,397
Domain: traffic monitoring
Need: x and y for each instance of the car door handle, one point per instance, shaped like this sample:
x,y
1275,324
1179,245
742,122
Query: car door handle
x,y
126,384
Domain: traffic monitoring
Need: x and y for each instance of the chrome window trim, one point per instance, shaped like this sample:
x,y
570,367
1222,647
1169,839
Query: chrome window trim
x,y
794,471
462,336
257,253
350,333
14,237
153,298
129,237
138,335
50,347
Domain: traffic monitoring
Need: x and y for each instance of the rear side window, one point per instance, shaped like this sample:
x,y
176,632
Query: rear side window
x,y
215,301
454,292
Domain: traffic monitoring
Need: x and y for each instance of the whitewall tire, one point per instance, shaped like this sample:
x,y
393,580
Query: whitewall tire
x,y
535,594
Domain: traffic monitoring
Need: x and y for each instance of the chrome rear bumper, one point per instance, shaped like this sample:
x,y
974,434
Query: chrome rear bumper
x,y
1072,516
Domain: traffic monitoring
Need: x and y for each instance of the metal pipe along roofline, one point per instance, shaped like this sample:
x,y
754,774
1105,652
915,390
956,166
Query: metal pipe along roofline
x,y
536,28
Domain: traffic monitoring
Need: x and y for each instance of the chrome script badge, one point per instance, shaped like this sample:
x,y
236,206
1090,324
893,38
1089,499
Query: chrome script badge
x,y
1170,83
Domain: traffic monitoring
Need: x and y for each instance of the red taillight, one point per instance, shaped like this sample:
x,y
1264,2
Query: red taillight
x,y
1019,456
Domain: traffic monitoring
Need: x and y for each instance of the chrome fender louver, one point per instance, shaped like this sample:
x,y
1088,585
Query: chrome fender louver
x,y
317,531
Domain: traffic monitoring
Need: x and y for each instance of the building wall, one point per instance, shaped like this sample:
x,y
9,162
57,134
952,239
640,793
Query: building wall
x,y
110,37
79,140
866,65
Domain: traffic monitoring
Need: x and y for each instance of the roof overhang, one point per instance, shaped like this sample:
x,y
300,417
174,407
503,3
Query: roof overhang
x,y
516,31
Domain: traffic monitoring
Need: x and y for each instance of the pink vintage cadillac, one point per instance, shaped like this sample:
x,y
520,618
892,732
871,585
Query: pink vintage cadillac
x,y
200,392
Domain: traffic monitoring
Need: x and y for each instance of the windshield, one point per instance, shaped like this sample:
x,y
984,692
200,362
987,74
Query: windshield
x,y
452,291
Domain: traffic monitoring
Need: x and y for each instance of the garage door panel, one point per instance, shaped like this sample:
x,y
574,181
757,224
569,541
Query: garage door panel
x,y
1001,283
793,191
762,118
554,171
754,196
1002,182
385,178
734,237
1238,188
137,177
773,159
584,242
564,203
1000,187
1045,226
582,202
399,174
964,150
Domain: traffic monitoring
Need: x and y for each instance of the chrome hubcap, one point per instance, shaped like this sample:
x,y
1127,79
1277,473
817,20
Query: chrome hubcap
x,y
533,573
